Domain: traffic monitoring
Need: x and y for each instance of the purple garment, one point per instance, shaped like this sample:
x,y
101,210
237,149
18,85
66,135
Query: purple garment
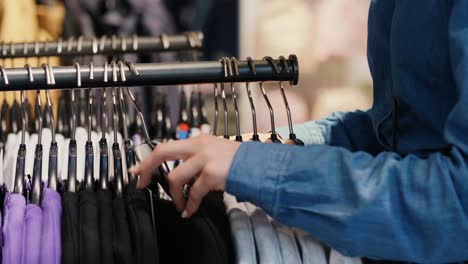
x,y
52,213
32,235
15,207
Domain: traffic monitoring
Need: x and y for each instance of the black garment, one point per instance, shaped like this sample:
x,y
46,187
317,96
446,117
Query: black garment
x,y
194,240
70,228
122,242
213,207
104,198
144,243
89,228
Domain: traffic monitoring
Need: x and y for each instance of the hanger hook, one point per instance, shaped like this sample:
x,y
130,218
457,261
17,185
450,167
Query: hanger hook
x,y
5,76
273,137
122,101
102,43
95,45
79,44
50,114
39,117
165,41
4,50
78,85
25,49
12,49
103,104
90,101
23,107
91,70
114,101
36,48
216,109
233,62
30,74
136,106
253,70
224,62
132,68
114,42
69,44
283,94
123,44
135,43
59,46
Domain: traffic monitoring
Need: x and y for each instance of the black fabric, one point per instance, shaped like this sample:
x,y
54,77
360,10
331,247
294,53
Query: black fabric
x,y
104,198
70,230
194,240
122,243
214,208
89,228
144,243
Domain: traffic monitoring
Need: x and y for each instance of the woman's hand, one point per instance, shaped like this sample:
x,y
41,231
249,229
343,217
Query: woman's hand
x,y
206,163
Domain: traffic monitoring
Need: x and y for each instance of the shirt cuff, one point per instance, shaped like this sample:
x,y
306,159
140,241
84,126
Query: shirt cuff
x,y
309,132
255,172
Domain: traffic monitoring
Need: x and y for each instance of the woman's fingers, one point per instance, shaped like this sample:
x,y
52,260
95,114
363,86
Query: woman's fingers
x,y
184,174
166,151
199,190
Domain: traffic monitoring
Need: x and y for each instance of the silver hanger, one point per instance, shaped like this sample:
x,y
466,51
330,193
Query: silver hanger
x,y
234,97
253,70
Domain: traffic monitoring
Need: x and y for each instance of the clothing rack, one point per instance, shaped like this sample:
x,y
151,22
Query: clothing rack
x,y
104,45
173,73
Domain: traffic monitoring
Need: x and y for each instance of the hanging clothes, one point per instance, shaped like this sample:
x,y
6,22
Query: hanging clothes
x,y
15,208
32,232
123,248
51,244
89,228
70,228
144,243
106,234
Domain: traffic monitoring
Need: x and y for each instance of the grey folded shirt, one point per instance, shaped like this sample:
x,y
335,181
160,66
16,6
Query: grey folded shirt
x,y
312,250
288,245
266,240
241,230
337,258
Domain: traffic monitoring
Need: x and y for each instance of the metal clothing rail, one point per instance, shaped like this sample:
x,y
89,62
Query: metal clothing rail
x,y
102,46
173,73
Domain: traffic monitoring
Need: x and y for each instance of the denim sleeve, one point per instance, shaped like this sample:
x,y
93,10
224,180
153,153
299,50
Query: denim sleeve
x,y
351,130
383,207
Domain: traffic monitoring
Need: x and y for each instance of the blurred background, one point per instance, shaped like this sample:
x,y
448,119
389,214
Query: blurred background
x,y
328,36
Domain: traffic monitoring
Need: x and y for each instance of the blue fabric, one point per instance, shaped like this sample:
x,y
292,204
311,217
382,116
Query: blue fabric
x,y
352,192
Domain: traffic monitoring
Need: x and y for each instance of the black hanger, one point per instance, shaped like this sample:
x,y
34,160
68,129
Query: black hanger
x,y
89,150
103,148
52,179
128,148
118,173
253,70
292,136
21,158
37,171
72,148
233,62
224,100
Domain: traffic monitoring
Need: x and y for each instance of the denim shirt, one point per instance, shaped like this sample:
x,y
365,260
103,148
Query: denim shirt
x,y
347,187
